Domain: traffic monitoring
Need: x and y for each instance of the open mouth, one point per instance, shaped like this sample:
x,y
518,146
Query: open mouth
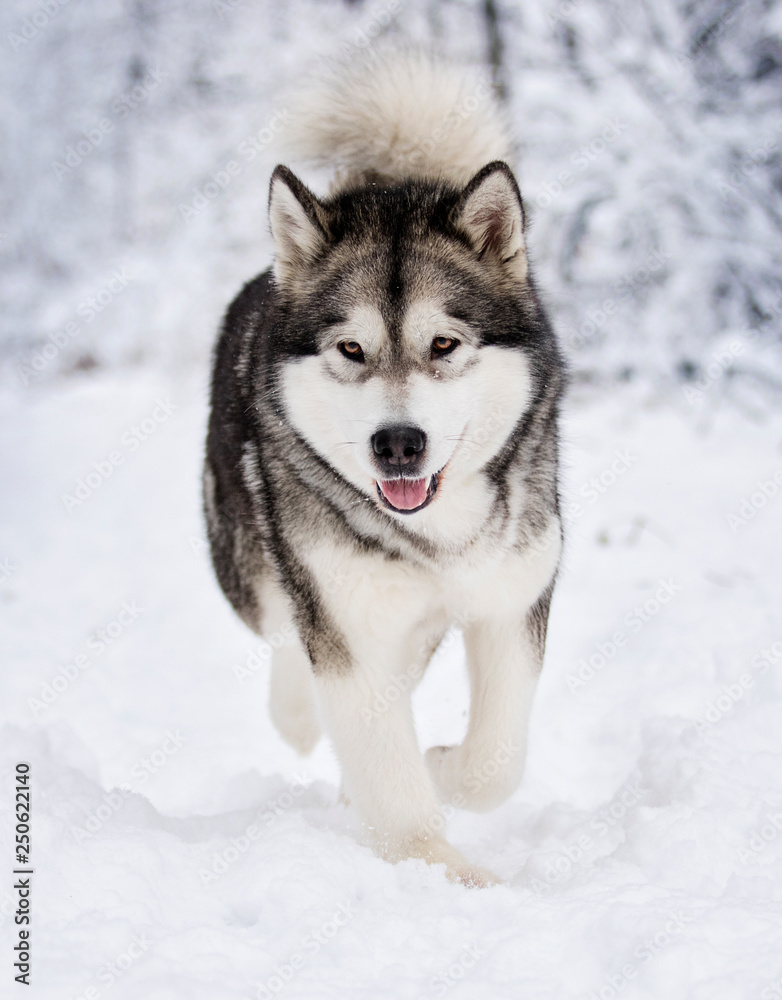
x,y
406,496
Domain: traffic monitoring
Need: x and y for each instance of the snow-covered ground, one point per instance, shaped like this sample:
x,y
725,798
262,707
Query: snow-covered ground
x,y
181,850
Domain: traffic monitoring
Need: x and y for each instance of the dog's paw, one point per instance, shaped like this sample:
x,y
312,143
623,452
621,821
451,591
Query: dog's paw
x,y
300,730
437,851
470,782
472,876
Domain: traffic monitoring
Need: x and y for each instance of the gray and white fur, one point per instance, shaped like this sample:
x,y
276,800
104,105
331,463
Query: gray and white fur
x,y
382,451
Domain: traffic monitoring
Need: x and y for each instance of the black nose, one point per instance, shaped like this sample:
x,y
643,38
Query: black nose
x,y
396,447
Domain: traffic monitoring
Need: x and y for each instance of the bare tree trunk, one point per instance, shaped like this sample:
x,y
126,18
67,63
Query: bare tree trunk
x,y
496,48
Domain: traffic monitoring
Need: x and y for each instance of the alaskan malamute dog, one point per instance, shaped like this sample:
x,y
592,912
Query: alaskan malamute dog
x,y
382,451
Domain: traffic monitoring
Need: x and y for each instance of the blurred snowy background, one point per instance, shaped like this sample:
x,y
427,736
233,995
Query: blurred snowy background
x,y
180,849
649,151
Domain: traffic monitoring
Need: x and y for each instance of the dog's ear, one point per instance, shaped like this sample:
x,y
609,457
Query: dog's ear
x,y
490,213
299,225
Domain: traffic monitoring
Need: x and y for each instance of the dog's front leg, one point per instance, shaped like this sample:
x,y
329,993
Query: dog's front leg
x,y
504,657
384,773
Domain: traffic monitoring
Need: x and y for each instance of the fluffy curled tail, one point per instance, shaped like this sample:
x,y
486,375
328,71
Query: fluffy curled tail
x,y
398,115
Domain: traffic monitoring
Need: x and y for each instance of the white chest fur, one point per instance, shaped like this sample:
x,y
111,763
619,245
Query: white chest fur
x,y
368,594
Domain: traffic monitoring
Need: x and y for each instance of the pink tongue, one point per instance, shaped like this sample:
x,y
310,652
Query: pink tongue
x,y
404,494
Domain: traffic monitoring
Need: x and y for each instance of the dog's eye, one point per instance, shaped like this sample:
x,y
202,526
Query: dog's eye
x,y
443,345
351,349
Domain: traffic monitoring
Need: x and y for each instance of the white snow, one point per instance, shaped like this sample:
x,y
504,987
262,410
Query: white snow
x,y
643,850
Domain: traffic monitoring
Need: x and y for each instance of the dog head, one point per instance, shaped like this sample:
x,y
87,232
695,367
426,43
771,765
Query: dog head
x,y
413,339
